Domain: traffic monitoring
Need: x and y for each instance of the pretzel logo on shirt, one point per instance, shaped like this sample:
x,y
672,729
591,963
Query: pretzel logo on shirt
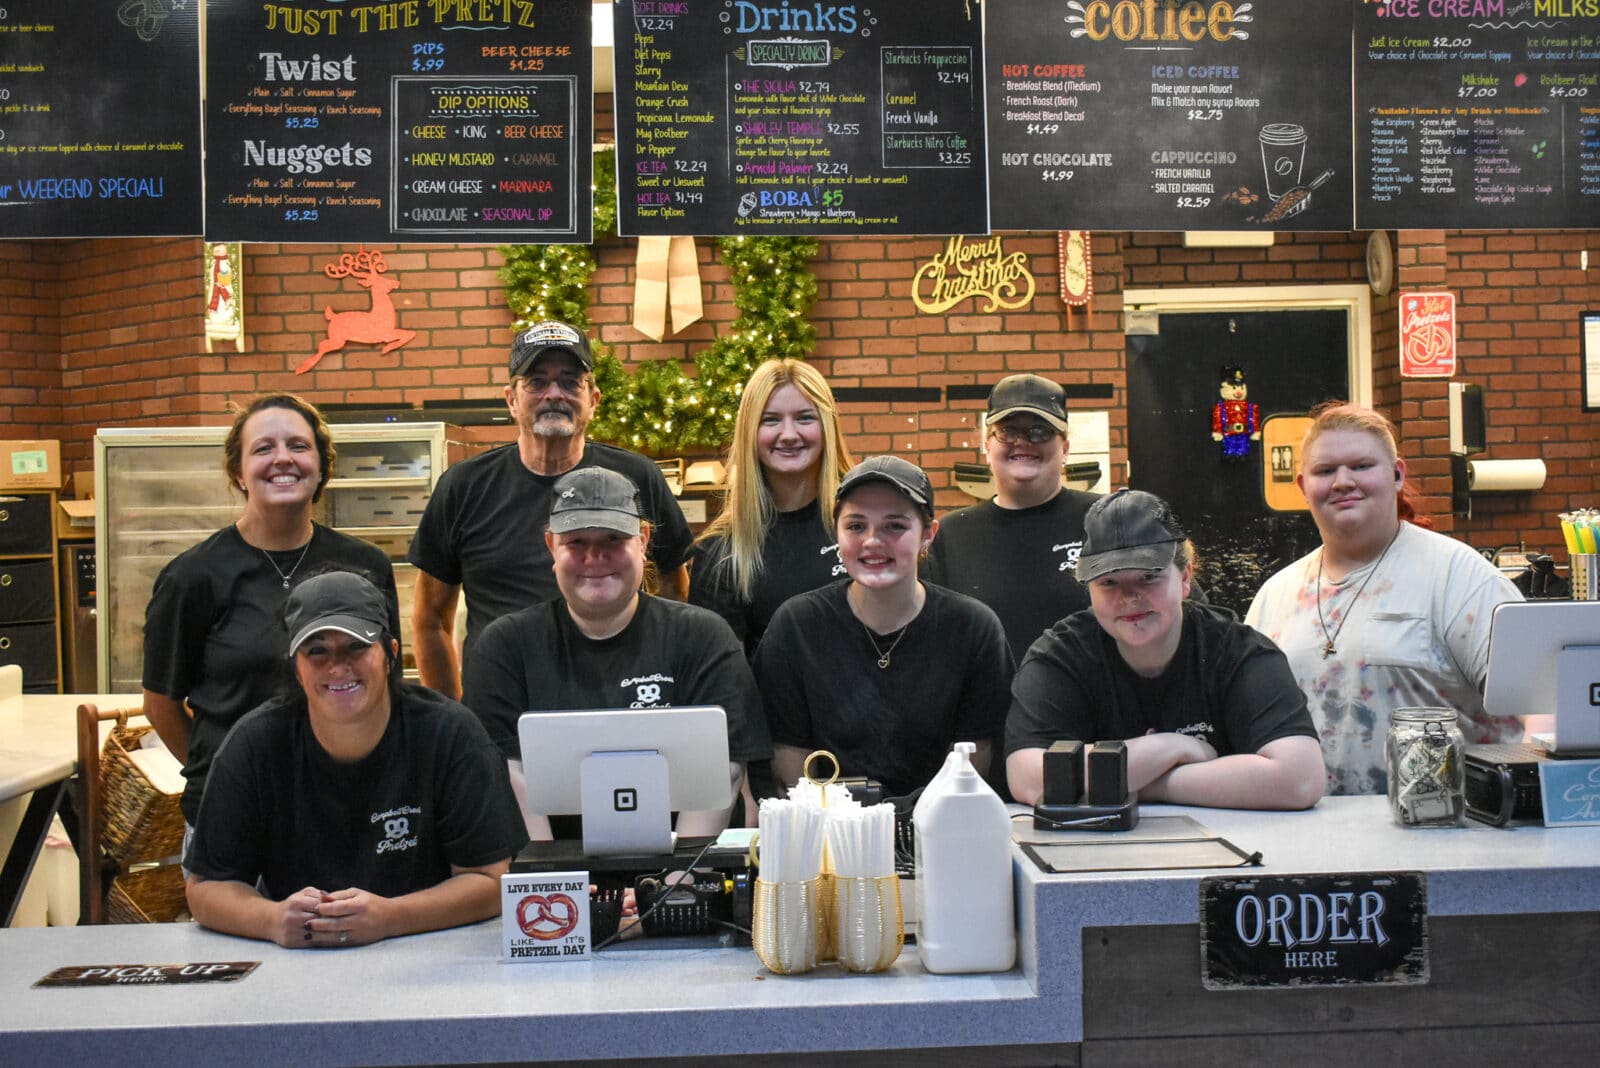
x,y
649,693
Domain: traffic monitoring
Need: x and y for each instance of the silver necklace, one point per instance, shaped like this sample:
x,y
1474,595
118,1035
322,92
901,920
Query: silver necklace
x,y
1327,646
883,654
287,575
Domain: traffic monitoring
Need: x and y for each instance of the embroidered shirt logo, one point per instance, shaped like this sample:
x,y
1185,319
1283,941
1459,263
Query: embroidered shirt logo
x,y
647,690
397,836
1072,549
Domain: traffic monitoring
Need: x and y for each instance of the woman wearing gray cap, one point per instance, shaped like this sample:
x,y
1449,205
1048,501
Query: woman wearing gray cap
x,y
883,670
358,807
1209,708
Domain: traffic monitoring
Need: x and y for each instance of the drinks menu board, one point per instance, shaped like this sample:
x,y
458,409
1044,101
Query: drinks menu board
x,y
414,120
99,119
1478,114
739,117
1170,115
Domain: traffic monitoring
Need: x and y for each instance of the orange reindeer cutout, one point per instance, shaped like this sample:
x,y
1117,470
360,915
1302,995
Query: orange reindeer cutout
x,y
374,327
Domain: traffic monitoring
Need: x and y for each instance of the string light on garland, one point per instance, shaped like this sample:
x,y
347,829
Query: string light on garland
x,y
658,407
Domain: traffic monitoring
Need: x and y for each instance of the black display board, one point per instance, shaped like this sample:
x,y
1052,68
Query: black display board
x,y
1478,115
1169,115
99,118
738,117
413,120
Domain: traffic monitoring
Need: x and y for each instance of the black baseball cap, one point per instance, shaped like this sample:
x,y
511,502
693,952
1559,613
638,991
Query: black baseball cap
x,y
1028,393
337,600
903,475
1130,529
548,336
595,497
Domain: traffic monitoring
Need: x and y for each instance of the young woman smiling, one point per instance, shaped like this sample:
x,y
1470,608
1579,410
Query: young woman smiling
x,y
356,807
883,670
774,537
1385,614
208,653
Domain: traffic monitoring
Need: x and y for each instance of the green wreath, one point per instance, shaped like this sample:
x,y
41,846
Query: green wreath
x,y
658,408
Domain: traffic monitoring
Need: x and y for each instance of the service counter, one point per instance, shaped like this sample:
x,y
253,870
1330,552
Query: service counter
x,y
1109,973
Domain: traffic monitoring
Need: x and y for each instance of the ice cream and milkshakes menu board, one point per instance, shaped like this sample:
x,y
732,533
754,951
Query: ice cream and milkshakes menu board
x,y
414,120
779,117
99,118
1478,113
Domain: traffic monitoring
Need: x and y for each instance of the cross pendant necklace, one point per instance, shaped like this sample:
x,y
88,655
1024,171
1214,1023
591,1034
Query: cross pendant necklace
x,y
1330,637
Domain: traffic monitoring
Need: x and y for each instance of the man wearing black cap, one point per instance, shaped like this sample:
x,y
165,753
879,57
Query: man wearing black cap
x,y
604,644
483,529
1017,551
1209,708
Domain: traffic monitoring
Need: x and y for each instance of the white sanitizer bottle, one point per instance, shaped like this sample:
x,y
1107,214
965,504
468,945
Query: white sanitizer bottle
x,y
964,876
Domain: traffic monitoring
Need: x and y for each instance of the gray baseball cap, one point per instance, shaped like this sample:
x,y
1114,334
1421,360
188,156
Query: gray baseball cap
x,y
595,497
337,600
903,475
1031,394
1129,530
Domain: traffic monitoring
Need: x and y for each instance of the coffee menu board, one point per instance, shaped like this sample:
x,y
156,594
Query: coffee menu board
x,y
413,120
1170,115
738,117
99,119
1478,114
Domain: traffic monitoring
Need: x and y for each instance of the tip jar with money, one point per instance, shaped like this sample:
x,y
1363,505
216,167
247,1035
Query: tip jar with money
x,y
1427,779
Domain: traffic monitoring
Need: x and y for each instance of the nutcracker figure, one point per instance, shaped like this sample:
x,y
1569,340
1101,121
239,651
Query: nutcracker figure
x,y
1235,421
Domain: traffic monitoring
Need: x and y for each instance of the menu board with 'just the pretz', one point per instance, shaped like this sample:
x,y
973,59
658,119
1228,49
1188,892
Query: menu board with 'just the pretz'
x,y
1169,114
413,120
99,118
780,117
1477,113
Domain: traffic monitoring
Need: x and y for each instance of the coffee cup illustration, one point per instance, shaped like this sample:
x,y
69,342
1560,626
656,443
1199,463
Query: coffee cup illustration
x,y
1283,152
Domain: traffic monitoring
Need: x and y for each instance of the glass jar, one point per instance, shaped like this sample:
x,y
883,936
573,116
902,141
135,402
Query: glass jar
x,y
1427,778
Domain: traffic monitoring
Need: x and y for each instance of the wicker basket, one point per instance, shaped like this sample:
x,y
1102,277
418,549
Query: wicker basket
x,y
141,823
147,895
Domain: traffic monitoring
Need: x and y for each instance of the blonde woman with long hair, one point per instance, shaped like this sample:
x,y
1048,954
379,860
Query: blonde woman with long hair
x,y
774,538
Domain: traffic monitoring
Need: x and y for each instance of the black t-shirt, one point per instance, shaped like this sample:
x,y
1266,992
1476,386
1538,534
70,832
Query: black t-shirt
x,y
279,809
947,681
483,529
799,554
1021,562
1226,684
213,631
669,654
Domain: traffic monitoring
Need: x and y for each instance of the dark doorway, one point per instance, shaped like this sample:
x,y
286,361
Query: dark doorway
x,y
1291,360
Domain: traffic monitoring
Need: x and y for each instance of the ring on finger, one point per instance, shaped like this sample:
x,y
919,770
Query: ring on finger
x,y
344,936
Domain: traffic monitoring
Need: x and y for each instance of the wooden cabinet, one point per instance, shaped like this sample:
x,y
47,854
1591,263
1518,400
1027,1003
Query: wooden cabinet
x,y
161,491
28,611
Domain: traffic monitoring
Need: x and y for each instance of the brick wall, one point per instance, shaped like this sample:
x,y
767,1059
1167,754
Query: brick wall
x,y
109,332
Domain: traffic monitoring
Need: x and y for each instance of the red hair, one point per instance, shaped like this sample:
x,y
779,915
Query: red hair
x,y
1342,415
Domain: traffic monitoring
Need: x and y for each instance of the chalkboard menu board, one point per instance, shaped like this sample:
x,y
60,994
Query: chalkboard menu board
x,y
99,119
1479,115
738,117
414,120
1170,115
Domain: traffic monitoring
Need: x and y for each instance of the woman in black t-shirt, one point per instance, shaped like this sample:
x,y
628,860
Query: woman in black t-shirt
x,y
774,537
358,807
883,670
213,645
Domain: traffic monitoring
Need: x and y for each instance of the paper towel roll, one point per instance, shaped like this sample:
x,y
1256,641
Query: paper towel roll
x,y
1489,476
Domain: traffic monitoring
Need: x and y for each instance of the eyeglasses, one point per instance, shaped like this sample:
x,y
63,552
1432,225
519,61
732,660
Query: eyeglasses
x,y
1035,433
569,382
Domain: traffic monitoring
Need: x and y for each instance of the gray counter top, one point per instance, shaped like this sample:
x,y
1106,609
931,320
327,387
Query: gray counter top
x,y
446,998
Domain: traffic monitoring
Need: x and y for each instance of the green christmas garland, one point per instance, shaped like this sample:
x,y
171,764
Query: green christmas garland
x,y
658,408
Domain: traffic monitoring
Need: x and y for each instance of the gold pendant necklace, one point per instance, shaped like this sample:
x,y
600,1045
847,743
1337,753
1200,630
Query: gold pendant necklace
x,y
883,654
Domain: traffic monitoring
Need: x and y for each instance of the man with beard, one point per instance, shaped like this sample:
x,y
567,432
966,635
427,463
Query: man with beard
x,y
483,529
